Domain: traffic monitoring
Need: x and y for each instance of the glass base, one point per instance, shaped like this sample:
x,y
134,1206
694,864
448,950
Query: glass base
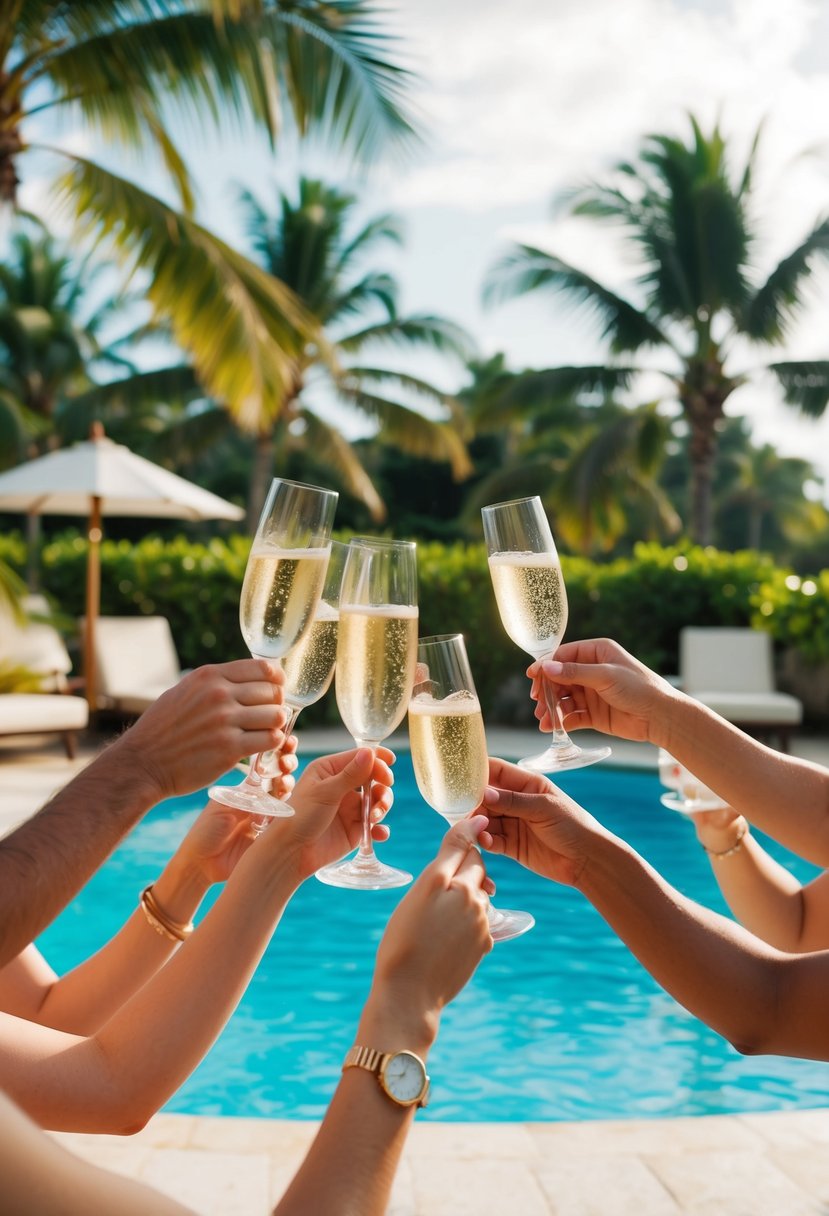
x,y
250,798
559,759
506,923
363,874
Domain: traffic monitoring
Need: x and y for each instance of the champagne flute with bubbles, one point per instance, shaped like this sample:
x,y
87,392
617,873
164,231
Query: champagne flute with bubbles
x,y
449,752
529,589
281,591
376,649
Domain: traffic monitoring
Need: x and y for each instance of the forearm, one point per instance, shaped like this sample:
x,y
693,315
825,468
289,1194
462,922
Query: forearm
x,y
45,862
350,1167
742,988
115,1080
766,898
782,795
86,998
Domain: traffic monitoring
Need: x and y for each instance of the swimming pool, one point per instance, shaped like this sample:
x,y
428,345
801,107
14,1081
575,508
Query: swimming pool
x,y
562,1023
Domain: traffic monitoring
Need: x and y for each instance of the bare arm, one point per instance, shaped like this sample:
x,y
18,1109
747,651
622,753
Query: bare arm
x,y
41,1176
115,1079
763,895
431,946
758,998
609,690
192,734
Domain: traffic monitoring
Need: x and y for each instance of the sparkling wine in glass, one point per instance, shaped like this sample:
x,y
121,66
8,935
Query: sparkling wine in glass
x,y
281,591
529,590
376,648
449,752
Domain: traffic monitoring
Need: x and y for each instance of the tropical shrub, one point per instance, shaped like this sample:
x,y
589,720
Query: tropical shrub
x,y
641,601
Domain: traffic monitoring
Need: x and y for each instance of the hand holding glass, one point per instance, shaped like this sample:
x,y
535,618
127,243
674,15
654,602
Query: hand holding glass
x,y
529,589
449,752
283,583
376,648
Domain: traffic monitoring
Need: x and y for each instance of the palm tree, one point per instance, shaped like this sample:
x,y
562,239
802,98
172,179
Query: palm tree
x,y
314,245
51,338
127,66
697,299
767,499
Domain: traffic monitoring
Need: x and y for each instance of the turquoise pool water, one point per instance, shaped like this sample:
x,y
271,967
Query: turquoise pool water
x,y
562,1023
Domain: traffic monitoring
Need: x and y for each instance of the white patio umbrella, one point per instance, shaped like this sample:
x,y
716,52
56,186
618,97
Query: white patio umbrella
x,y
97,478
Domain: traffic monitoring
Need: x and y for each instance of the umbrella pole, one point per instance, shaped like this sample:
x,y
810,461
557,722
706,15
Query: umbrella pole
x,y
93,599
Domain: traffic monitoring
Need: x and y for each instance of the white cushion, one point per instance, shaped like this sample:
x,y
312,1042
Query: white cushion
x,y
31,713
135,661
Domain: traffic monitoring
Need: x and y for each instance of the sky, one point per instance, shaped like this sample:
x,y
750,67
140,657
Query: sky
x,y
521,100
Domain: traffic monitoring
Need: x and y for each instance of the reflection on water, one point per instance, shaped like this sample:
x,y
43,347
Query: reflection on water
x,y
562,1023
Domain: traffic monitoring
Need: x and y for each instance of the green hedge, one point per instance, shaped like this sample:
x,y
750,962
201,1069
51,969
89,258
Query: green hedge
x,y
640,601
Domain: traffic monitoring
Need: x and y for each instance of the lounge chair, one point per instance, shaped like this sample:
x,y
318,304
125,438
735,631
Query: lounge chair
x,y
732,672
38,648
135,662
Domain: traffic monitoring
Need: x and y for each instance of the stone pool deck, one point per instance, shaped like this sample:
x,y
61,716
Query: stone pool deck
x,y
742,1165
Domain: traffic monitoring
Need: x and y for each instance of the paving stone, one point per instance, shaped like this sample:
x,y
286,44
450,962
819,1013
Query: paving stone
x,y
444,1187
643,1136
470,1140
212,1183
732,1184
605,1186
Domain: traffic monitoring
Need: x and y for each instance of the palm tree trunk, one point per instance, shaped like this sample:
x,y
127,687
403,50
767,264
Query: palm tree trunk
x,y
703,451
755,527
261,474
11,142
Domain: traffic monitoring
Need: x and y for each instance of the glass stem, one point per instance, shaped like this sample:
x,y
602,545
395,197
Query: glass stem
x,y
265,764
560,737
366,847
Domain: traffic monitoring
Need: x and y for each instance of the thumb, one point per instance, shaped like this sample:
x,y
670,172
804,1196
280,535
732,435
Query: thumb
x,y
348,770
457,842
510,802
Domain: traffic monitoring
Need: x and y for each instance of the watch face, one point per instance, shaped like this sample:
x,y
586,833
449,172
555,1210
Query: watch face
x,y
404,1077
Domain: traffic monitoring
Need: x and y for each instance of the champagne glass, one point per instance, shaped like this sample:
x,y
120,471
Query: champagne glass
x,y
449,752
309,665
376,648
686,793
283,583
532,601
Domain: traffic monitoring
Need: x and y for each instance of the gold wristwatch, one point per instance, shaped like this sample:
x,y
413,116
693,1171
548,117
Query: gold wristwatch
x,y
402,1074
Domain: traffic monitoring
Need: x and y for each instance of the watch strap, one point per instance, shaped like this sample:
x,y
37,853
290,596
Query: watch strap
x,y
366,1057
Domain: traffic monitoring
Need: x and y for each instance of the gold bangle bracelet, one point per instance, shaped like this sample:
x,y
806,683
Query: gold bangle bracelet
x,y
736,846
160,921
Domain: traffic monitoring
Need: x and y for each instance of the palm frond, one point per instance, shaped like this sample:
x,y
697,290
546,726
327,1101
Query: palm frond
x,y
422,329
336,65
333,449
805,385
525,268
777,302
241,327
411,431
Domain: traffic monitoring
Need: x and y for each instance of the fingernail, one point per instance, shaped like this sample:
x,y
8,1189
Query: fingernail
x,y
552,667
491,796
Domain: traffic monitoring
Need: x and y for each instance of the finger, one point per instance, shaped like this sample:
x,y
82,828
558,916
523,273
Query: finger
x,y
350,770
252,742
291,745
590,675
502,774
288,762
385,754
511,802
258,692
489,886
245,671
262,717
379,831
382,805
382,774
457,843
